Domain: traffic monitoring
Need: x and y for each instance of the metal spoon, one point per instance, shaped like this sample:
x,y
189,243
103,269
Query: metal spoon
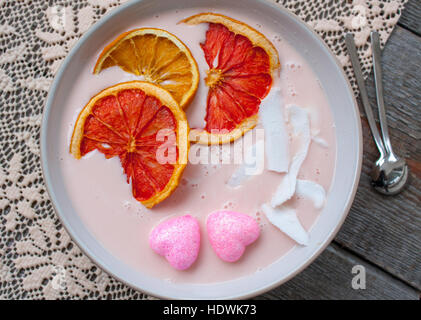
x,y
390,172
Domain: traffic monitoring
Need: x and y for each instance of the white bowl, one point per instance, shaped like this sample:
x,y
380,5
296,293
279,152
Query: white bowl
x,y
348,157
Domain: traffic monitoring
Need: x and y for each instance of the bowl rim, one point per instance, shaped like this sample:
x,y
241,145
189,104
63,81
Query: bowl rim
x,y
46,173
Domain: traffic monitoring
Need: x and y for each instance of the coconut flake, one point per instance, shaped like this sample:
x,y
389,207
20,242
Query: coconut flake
x,y
299,120
311,190
252,165
320,141
276,137
287,221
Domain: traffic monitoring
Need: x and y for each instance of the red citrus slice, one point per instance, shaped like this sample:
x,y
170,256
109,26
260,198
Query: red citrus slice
x,y
144,126
241,61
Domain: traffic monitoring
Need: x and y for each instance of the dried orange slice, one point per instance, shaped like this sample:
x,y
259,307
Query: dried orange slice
x,y
241,62
144,126
158,57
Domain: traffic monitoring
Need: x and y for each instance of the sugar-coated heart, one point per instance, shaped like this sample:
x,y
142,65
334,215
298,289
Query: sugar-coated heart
x,y
230,232
178,240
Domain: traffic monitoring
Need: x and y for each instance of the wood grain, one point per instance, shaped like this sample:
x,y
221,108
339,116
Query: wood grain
x,y
411,16
330,277
387,230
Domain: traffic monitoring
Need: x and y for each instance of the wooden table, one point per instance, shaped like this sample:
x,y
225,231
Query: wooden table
x,y
383,234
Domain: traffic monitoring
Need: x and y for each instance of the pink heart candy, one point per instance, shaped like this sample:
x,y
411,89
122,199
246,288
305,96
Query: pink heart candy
x,y
230,232
178,240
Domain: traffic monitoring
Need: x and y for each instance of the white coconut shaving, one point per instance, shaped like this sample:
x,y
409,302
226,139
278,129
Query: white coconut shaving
x,y
287,221
271,116
315,136
253,164
278,213
320,141
299,120
311,190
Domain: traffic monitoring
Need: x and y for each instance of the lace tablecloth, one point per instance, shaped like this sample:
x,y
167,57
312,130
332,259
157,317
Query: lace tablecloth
x,y
37,257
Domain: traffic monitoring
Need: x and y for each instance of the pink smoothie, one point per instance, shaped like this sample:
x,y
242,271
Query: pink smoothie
x,y
103,199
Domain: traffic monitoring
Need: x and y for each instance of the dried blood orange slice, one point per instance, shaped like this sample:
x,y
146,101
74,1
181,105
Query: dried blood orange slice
x,y
158,57
241,62
143,125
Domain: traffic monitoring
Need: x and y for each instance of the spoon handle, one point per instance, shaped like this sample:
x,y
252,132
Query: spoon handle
x,y
352,50
375,47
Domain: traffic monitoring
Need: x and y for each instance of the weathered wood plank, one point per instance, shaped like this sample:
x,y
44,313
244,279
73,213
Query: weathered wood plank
x,y
411,16
330,277
387,230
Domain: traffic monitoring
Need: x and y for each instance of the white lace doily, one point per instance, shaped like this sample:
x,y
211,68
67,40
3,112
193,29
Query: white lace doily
x,y
37,257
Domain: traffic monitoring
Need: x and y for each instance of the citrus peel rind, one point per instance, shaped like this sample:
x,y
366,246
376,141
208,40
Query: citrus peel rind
x,y
125,120
204,137
156,55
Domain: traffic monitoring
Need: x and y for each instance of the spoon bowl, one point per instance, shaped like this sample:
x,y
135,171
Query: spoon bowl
x,y
389,175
